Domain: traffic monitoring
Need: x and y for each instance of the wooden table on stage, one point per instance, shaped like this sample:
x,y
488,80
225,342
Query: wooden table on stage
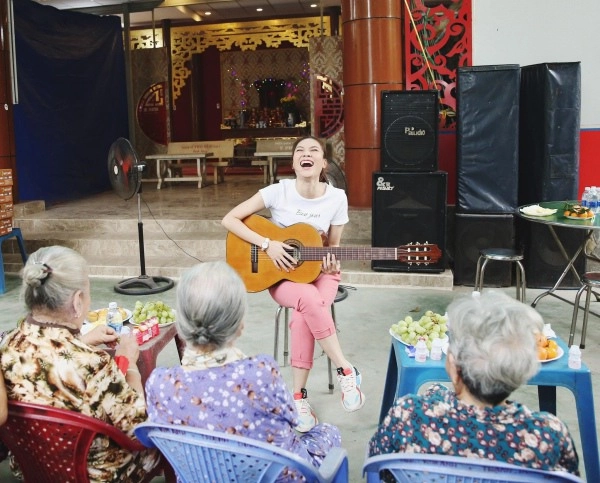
x,y
200,159
149,350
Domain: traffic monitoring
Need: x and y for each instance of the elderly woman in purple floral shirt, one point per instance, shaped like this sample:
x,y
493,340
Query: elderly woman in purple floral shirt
x,y
219,388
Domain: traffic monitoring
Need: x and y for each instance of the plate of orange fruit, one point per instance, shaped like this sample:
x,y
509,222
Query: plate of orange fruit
x,y
548,349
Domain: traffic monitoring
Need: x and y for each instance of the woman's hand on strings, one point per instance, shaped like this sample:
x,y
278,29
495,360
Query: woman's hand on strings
x,y
279,252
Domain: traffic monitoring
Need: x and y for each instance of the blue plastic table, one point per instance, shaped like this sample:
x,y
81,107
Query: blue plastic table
x,y
412,375
16,232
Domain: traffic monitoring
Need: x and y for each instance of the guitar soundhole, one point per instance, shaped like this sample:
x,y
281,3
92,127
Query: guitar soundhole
x,y
295,251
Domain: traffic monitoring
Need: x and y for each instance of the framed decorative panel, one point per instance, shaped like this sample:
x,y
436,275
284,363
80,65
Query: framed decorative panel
x,y
438,40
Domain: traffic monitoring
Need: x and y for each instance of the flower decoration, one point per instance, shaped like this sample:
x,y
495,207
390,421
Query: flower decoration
x,y
288,100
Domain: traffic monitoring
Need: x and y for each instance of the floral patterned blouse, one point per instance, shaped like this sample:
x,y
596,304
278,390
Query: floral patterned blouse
x,y
247,397
438,422
50,365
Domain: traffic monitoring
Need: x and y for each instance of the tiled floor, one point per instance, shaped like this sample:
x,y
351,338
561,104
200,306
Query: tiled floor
x,y
364,319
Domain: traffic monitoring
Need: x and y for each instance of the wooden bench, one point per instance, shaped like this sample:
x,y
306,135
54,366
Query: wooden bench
x,y
170,165
273,149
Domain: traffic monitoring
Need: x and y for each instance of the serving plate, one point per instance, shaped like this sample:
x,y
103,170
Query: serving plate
x,y
559,354
537,210
125,319
571,217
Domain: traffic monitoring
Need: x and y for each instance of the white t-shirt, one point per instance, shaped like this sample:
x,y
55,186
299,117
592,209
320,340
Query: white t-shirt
x,y
288,207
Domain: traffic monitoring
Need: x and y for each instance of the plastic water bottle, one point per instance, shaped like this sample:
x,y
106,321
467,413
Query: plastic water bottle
x,y
585,197
593,200
436,349
575,357
421,351
113,317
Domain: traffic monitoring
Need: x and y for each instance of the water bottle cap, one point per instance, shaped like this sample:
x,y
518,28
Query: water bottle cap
x,y
112,305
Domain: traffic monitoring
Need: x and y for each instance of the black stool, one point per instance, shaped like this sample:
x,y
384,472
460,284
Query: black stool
x,y
342,294
590,280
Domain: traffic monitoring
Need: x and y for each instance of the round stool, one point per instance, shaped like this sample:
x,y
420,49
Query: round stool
x,y
590,281
342,294
501,255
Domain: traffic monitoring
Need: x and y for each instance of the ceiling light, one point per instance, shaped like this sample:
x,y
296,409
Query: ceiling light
x,y
207,13
189,12
313,5
259,9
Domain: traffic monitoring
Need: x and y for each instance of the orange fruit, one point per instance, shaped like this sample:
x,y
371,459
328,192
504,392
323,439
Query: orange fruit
x,y
552,344
551,352
567,213
582,215
542,353
542,340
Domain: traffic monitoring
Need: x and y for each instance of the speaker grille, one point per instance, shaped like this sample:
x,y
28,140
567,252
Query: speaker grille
x,y
409,130
409,208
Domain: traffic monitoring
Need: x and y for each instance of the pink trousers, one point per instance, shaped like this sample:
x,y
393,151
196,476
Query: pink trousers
x,y
311,319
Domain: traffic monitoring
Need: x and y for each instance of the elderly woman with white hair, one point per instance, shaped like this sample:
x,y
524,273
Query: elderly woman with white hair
x,y
492,352
218,387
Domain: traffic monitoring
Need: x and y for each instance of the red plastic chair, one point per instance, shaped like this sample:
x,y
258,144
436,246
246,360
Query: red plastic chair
x,y
52,444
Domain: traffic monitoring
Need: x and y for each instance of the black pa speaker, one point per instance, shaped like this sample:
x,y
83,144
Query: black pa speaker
x,y
409,208
474,233
487,139
549,132
409,131
544,261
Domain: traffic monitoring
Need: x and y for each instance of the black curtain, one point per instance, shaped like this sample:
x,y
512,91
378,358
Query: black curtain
x,y
72,100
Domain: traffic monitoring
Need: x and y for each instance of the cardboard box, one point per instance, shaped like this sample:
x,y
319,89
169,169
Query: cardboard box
x,y
6,210
6,194
6,226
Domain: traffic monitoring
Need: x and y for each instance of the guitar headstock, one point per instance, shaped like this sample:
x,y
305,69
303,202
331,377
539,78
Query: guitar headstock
x,y
419,253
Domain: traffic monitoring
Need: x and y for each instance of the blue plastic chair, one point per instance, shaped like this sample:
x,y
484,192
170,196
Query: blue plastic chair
x,y
198,456
424,468
15,233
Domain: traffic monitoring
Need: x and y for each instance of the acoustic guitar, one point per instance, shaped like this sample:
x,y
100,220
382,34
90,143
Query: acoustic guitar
x,y
259,272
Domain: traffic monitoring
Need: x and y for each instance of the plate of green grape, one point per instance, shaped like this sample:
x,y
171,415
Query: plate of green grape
x,y
144,311
429,326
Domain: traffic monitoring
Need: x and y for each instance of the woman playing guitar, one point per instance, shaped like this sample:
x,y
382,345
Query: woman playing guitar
x,y
306,199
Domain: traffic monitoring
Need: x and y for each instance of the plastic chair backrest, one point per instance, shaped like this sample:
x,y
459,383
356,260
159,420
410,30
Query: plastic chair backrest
x,y
424,468
52,444
199,455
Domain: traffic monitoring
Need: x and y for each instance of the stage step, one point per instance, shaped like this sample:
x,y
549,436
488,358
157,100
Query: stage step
x,y
111,246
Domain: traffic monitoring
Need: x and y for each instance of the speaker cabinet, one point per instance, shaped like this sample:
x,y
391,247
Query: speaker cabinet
x,y
549,132
474,233
487,139
409,131
409,208
544,262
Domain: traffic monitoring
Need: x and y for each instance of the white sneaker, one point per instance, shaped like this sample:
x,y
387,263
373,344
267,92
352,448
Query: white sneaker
x,y
307,419
352,397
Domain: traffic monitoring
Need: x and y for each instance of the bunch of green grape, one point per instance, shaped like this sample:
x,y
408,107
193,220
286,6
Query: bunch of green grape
x,y
430,326
158,309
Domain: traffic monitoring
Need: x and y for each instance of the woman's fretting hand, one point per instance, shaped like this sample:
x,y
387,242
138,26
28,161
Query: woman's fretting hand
x,y
331,265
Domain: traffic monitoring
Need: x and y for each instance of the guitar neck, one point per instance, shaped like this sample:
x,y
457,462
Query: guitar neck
x,y
351,253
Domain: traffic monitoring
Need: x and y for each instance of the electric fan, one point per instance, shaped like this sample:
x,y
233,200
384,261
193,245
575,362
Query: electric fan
x,y
125,173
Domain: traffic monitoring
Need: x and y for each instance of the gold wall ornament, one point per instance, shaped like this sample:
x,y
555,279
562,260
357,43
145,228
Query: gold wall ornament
x,y
195,39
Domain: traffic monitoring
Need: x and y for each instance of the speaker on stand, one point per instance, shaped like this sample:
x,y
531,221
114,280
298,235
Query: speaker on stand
x,y
409,208
409,131
487,139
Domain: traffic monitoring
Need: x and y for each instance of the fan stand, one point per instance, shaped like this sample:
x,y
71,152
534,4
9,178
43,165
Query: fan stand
x,y
144,284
